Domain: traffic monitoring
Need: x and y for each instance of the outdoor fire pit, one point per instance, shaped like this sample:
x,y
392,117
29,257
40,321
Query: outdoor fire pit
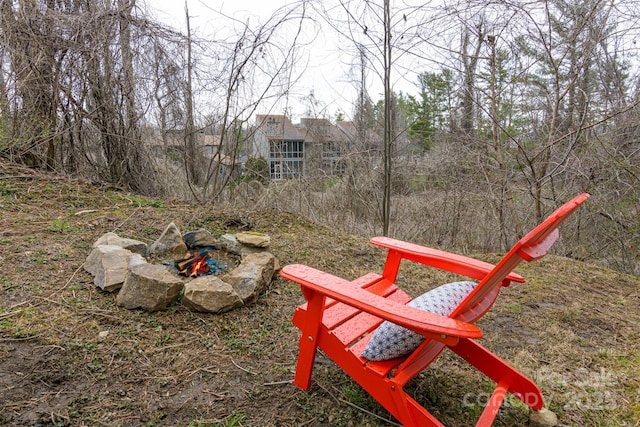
x,y
204,273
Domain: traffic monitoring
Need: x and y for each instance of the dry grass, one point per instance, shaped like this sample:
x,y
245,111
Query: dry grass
x,y
69,356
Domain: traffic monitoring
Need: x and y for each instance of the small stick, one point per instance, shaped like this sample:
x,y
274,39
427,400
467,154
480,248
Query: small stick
x,y
279,382
242,369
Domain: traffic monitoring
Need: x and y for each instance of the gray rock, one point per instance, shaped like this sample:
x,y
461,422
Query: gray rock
x,y
150,287
210,294
199,238
113,239
229,243
257,240
248,250
252,276
108,264
170,243
543,418
136,259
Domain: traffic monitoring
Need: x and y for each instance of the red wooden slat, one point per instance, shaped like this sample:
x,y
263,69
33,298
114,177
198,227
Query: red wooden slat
x,y
362,323
339,313
447,261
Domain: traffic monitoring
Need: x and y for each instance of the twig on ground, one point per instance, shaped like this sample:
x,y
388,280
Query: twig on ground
x,y
353,405
174,346
217,395
68,281
242,369
19,304
207,369
127,218
33,337
16,177
311,421
97,312
7,315
369,412
279,383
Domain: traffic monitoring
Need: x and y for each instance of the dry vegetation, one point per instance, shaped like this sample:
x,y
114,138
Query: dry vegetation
x,y
573,327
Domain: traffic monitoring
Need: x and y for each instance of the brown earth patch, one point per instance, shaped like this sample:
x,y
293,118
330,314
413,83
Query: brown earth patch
x,y
70,356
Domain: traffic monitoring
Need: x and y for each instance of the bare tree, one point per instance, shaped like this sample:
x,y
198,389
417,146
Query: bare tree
x,y
253,69
472,40
51,91
193,165
388,130
32,59
375,31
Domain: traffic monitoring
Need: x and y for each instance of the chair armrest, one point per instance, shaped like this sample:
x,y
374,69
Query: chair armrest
x,y
430,325
447,261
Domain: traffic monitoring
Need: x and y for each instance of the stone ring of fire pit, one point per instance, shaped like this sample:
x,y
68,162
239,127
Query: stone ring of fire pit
x,y
153,277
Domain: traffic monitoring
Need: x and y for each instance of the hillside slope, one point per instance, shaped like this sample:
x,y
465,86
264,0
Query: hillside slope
x,y
70,356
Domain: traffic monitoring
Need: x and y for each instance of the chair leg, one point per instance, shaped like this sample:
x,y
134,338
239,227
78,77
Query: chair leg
x,y
493,406
500,372
304,367
308,346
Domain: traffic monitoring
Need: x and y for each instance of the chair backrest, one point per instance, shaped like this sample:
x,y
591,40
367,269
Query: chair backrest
x,y
533,246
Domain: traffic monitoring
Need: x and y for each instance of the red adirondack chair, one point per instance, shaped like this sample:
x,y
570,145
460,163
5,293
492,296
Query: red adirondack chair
x,y
340,317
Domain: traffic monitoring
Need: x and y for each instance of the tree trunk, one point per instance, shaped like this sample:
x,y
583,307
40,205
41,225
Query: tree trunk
x,y
191,160
470,64
32,62
388,137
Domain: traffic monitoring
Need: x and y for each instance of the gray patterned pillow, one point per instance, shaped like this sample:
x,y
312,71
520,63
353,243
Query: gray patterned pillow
x,y
390,340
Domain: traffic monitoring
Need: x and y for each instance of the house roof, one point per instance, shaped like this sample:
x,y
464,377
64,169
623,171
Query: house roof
x,y
278,126
320,130
314,130
176,139
351,130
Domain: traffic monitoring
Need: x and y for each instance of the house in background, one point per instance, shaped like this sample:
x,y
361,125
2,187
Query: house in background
x,y
278,141
326,147
209,147
314,147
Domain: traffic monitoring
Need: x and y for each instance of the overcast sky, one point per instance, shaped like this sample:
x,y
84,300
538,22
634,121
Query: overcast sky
x,y
327,69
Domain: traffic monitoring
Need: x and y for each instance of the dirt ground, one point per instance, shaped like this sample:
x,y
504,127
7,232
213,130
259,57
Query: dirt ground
x,y
70,357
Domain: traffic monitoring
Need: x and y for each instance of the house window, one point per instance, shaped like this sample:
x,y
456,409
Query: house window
x,y
332,162
273,127
286,159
